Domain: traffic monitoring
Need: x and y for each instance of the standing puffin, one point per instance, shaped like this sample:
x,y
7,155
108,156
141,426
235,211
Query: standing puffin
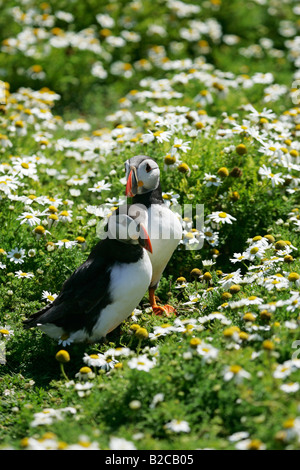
x,y
164,227
104,290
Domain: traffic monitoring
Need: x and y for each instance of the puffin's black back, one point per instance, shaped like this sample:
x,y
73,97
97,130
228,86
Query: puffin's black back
x,y
86,292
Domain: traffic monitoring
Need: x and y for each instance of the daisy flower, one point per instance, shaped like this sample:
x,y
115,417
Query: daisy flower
x,y
254,252
238,436
267,173
66,243
211,180
158,398
170,198
30,218
290,387
100,186
238,258
230,279
16,255
83,389
8,184
6,332
102,361
221,217
117,352
293,303
283,370
235,373
65,216
5,142
22,275
193,299
160,136
25,167
85,374
48,296
250,444
141,363
119,443
177,425
49,415
276,281
95,360
179,144
207,352
65,340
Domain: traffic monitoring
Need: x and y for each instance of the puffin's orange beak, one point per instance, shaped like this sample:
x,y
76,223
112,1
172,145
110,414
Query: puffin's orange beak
x,y
132,183
128,191
144,239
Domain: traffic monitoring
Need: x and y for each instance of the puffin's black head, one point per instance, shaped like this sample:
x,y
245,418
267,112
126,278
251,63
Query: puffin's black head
x,y
127,230
142,174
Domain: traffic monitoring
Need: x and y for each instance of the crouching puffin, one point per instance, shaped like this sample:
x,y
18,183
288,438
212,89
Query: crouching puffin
x,y
164,227
104,290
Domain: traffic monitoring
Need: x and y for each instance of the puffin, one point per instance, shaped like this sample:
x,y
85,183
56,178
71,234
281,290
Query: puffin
x,y
105,289
164,227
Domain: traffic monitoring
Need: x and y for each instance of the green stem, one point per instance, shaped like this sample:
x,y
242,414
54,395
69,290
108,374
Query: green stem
x,y
63,371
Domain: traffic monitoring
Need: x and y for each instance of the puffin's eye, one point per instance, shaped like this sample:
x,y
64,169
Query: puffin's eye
x,y
148,168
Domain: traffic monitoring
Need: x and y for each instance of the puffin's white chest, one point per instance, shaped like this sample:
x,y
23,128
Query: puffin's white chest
x,y
128,284
165,231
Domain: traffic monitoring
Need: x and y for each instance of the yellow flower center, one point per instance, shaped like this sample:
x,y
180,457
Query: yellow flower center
x,y
85,370
62,355
39,229
288,424
3,331
235,369
254,444
249,317
189,235
268,345
293,277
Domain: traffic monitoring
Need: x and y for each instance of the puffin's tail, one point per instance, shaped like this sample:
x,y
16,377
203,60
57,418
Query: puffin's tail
x,y
33,320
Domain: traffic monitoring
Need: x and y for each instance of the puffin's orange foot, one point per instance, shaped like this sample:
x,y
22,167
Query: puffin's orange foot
x,y
166,310
169,309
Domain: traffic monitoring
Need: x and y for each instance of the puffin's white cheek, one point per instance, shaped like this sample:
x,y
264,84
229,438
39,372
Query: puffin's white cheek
x,y
150,182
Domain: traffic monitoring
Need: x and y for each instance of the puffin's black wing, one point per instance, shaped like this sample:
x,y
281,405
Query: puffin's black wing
x,y
82,296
